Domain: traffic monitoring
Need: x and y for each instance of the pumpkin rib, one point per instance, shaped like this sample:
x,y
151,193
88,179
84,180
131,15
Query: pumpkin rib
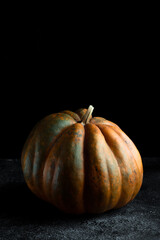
x,y
74,115
40,194
110,187
139,183
36,182
97,181
118,168
30,138
127,185
140,175
27,145
84,167
29,177
47,155
120,185
59,194
56,139
123,136
30,163
100,120
56,136
128,142
132,157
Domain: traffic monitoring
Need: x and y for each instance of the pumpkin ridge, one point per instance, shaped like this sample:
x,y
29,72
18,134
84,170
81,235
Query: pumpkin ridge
x,y
48,152
126,198
109,181
128,142
109,174
117,165
123,138
135,162
40,194
27,145
78,137
113,127
99,172
23,159
74,115
129,163
103,121
57,138
135,191
30,138
33,183
84,167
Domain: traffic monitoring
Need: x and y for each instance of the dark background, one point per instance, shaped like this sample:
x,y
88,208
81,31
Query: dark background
x,y
72,61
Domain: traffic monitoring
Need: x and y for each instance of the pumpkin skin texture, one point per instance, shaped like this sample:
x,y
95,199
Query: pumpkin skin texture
x,y
81,167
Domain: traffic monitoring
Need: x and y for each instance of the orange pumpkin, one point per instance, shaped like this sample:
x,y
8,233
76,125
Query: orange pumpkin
x,y
81,164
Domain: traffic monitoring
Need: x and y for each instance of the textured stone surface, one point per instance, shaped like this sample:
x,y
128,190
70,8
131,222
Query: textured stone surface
x,y
24,216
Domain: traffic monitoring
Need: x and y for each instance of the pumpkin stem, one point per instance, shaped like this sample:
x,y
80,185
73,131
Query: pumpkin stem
x,y
87,115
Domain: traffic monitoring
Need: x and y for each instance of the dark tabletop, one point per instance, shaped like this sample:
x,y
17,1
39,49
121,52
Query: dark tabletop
x,y
24,216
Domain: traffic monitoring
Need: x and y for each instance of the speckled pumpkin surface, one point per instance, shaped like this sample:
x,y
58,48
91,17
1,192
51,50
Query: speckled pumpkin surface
x,y
81,163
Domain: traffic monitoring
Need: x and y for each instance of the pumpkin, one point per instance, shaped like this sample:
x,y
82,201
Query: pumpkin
x,y
81,163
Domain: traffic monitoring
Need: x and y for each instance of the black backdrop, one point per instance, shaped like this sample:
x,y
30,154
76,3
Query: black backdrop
x,y
50,66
